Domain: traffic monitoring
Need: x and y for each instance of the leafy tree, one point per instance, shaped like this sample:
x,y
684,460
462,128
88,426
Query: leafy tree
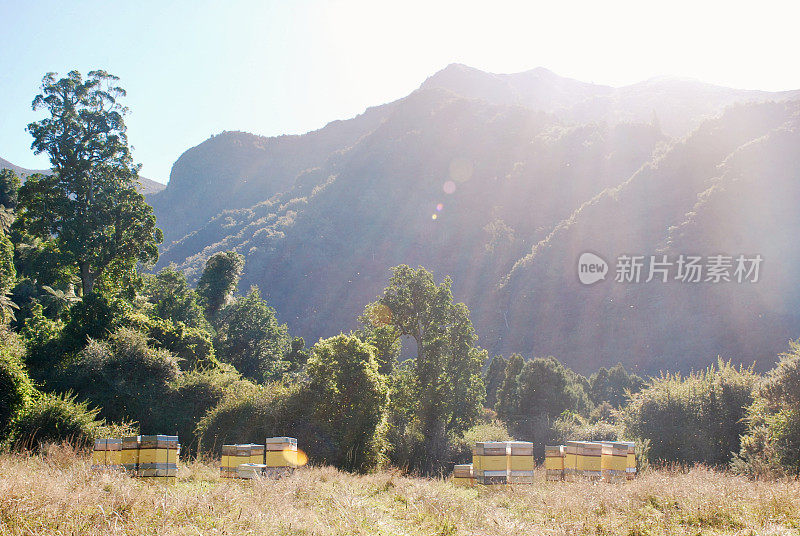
x,y
89,205
349,397
447,370
8,277
9,189
193,346
219,280
298,354
771,444
508,391
494,376
250,338
172,298
612,385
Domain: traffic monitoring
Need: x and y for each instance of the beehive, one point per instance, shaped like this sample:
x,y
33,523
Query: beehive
x,y
158,457
250,471
571,450
476,461
281,452
614,460
129,456
257,454
554,462
630,466
590,459
107,454
520,462
463,475
235,455
493,460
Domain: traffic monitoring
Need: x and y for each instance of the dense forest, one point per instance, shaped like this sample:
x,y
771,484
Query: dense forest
x,y
97,342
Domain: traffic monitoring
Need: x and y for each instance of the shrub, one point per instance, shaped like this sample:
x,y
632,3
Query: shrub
x,y
52,418
15,385
192,345
697,418
461,447
771,444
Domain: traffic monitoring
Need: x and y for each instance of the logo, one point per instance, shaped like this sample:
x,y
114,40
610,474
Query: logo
x,y
591,268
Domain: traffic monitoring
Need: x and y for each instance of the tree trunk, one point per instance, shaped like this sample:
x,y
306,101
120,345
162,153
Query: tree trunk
x,y
87,278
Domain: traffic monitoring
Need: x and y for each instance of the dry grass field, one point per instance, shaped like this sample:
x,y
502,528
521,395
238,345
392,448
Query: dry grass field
x,y
58,493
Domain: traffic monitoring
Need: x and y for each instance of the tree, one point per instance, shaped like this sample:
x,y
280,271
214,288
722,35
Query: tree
x,y
613,385
89,204
349,397
447,368
250,338
219,280
172,298
494,376
9,189
508,390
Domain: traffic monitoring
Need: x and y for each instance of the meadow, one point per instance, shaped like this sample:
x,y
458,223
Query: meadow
x,y
57,493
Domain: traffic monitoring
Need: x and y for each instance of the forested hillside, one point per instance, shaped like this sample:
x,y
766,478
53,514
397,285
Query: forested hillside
x,y
467,176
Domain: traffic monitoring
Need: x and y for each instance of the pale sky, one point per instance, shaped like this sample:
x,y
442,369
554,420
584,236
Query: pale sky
x,y
196,68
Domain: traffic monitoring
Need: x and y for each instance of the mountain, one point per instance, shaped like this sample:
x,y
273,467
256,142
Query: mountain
x,y
501,181
146,186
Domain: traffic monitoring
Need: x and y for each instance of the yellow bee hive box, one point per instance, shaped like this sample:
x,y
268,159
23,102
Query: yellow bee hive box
x,y
571,459
554,462
463,475
476,461
129,456
614,460
630,469
257,454
281,452
520,462
493,460
158,456
590,460
228,462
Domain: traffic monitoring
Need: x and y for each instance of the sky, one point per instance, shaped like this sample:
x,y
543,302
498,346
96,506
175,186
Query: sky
x,y
196,68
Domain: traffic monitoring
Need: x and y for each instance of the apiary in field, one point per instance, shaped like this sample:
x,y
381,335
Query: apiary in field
x,y
463,475
107,454
520,462
614,461
158,457
493,460
554,462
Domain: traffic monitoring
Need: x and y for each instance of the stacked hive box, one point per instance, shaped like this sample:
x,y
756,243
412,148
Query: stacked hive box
x,y
571,451
463,475
520,462
590,460
614,461
107,454
554,462
492,462
476,462
130,454
280,455
235,455
630,468
158,457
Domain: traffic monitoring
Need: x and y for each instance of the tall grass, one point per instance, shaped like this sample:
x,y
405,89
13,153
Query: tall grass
x,y
56,492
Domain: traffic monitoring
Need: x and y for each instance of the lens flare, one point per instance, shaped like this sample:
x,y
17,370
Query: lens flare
x,y
461,169
297,457
439,207
434,216
449,187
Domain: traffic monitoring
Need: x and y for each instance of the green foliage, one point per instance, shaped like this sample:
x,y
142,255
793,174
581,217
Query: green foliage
x,y
219,280
613,385
123,376
574,427
193,346
494,378
349,395
53,418
771,444
172,298
298,355
508,388
95,316
16,389
250,338
8,276
9,188
492,430
447,386
89,205
697,418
